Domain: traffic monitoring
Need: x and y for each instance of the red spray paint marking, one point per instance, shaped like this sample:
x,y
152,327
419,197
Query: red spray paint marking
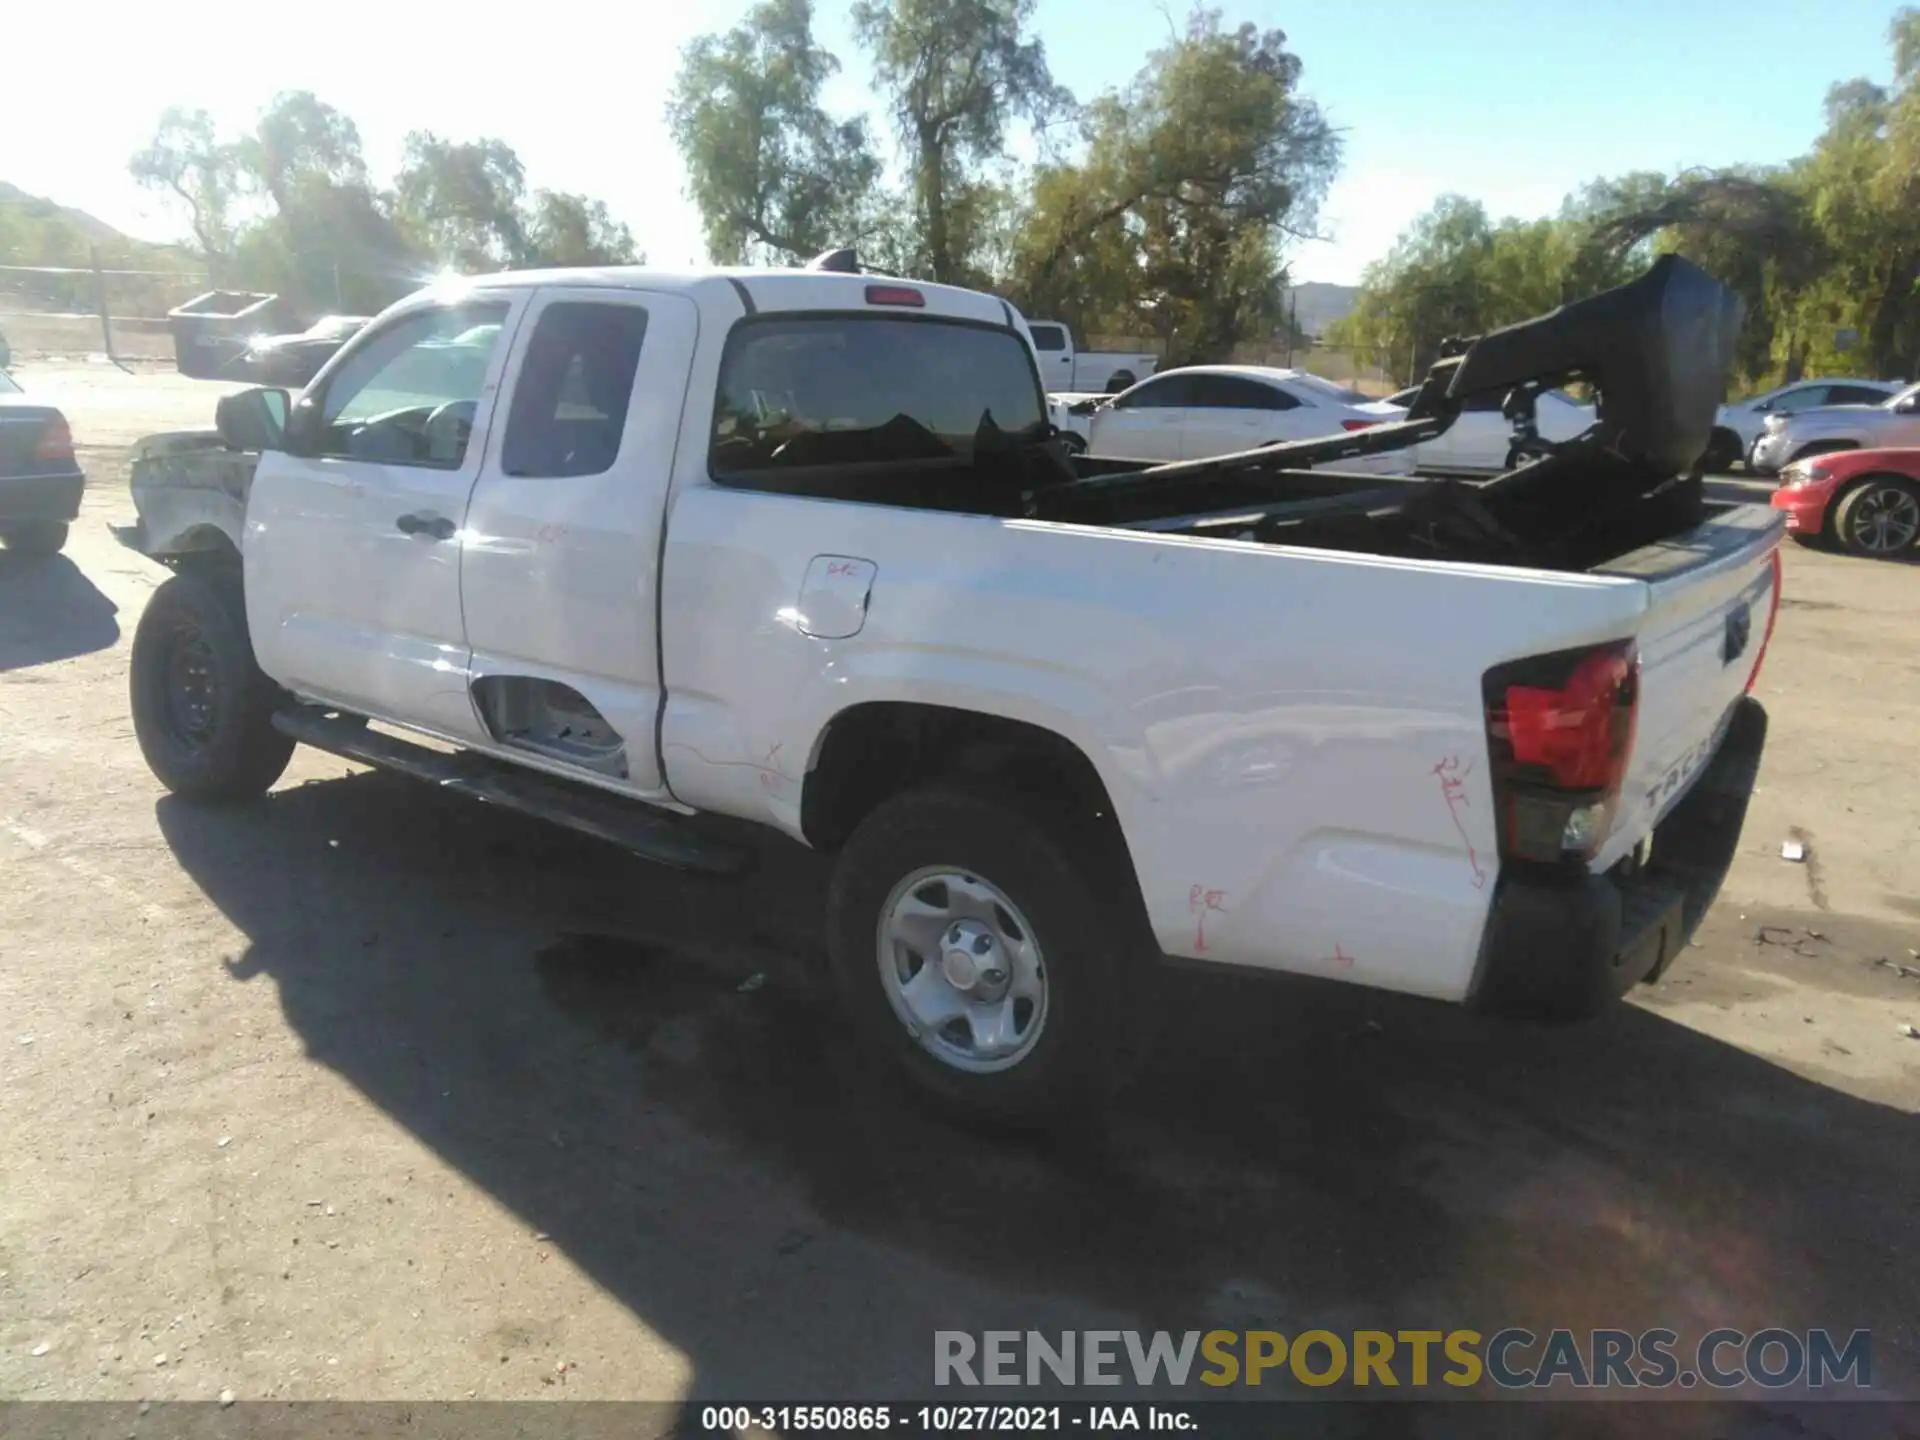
x,y
1453,789
841,567
1340,957
1200,900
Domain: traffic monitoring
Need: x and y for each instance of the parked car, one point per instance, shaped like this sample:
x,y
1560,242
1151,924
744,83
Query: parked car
x,y
1482,438
293,360
40,479
1865,500
1892,424
1739,423
1067,368
800,549
1202,410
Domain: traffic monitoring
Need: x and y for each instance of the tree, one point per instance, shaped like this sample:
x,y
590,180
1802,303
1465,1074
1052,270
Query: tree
x,y
1191,178
769,169
566,229
187,160
300,141
461,201
956,72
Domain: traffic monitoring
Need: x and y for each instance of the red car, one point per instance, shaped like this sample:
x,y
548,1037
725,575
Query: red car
x,y
1867,501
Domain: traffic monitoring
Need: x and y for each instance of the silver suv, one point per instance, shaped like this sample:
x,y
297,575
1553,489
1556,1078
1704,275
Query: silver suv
x,y
1892,424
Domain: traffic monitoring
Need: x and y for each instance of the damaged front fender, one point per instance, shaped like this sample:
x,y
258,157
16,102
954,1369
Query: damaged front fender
x,y
190,491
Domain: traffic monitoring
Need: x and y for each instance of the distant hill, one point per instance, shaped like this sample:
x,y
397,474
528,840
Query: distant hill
x,y
1317,304
95,230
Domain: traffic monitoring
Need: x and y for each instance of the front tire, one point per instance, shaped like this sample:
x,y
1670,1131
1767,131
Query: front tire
x,y
1879,517
202,708
975,947
37,537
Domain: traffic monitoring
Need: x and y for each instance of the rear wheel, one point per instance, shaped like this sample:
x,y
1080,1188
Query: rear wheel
x,y
37,537
1723,453
975,949
202,709
1879,517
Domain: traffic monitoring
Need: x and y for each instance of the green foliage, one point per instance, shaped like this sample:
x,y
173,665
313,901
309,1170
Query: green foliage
x,y
289,207
773,175
956,72
1825,247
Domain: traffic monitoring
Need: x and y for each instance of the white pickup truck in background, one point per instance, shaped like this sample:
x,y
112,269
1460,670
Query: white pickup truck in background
x,y
623,549
1073,373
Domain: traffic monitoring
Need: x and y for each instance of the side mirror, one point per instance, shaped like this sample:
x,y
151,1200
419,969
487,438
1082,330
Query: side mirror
x,y
253,419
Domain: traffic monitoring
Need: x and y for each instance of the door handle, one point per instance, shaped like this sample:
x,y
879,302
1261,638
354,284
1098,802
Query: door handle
x,y
433,527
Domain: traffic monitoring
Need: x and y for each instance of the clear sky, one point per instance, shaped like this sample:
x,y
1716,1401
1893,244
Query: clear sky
x,y
1515,102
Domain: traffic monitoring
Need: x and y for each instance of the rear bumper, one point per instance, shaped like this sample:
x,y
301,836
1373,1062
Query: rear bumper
x,y
41,497
1562,950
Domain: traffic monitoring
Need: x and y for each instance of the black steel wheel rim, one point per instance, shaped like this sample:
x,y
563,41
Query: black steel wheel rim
x,y
191,687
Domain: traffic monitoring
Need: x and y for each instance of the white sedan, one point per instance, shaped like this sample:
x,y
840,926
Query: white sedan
x,y
1481,436
1203,410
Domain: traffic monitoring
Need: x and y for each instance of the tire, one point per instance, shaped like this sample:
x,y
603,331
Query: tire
x,y
1073,444
37,537
1879,517
202,708
1073,976
1723,452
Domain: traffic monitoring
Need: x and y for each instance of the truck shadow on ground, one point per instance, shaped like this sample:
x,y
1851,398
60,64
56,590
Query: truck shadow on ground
x,y
50,610
585,1037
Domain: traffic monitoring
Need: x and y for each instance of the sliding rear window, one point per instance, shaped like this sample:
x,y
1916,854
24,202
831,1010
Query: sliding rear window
x,y
803,391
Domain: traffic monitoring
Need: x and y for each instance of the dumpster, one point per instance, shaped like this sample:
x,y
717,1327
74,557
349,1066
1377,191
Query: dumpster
x,y
211,331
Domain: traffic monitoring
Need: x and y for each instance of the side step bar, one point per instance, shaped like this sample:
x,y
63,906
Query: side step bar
x,y
652,834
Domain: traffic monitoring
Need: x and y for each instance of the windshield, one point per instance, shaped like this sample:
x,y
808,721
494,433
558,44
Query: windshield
x,y
1893,401
853,389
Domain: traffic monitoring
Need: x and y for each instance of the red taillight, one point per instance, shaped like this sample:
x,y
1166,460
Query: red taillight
x,y
1773,613
895,295
1357,424
1560,729
56,441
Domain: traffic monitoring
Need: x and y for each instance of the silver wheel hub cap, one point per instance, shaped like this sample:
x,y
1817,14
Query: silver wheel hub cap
x,y
962,970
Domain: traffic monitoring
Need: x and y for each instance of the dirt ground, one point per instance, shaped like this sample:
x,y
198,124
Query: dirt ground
x,y
367,1093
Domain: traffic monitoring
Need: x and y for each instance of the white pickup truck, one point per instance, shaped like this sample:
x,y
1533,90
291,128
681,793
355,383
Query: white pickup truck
x,y
626,549
1073,373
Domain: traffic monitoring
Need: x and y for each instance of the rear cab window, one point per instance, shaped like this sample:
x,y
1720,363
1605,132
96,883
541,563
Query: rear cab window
x,y
570,402
1048,337
875,407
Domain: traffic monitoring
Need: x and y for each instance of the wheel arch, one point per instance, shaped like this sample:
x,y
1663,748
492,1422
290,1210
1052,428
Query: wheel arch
x,y
874,749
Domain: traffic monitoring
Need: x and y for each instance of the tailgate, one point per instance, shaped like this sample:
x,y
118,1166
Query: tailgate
x,y
1713,593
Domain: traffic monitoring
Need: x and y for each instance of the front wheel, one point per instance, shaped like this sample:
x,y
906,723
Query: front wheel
x,y
974,948
38,537
1879,517
202,709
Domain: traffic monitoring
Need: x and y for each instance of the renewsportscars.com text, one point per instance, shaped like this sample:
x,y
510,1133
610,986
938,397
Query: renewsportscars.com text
x,y
1511,1358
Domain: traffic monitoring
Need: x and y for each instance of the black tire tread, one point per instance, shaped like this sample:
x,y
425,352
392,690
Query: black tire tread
x,y
1095,951
247,754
